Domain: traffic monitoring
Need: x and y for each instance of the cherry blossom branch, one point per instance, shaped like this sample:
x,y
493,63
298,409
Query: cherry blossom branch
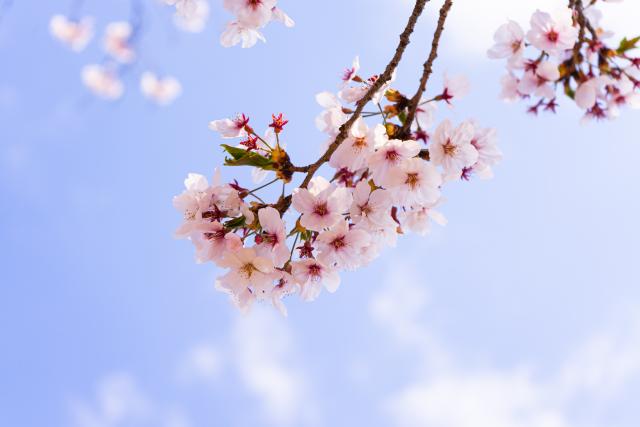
x,y
375,87
427,70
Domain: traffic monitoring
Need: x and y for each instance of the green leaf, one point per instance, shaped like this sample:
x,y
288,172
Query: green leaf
x,y
236,222
241,157
402,116
626,44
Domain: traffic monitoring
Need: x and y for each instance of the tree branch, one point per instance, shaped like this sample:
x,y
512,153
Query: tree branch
x,y
405,131
375,87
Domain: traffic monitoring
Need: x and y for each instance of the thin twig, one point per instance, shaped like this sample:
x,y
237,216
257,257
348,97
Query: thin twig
x,y
375,87
427,70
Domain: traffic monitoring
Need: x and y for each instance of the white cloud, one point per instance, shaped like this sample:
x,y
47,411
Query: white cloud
x,y
444,393
203,362
486,399
266,364
602,365
120,402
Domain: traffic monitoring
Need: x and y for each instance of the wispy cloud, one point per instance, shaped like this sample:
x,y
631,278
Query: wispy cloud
x,y
119,402
444,393
267,364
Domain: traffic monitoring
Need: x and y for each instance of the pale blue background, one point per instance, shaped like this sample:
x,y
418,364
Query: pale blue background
x,y
531,267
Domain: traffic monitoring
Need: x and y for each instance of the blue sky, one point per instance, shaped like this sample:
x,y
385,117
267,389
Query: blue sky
x,y
522,311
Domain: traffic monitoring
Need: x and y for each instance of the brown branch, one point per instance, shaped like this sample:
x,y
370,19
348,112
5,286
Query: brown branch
x,y
375,87
405,131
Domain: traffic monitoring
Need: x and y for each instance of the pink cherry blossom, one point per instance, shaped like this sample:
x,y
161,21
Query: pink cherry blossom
x,y
330,120
509,41
102,81
251,13
212,240
195,20
415,182
509,90
322,205
273,239
539,82
451,148
352,154
370,209
117,41
351,72
249,277
454,88
418,218
389,156
341,246
162,91
489,155
280,16
285,285
552,34
236,33
230,128
75,34
311,274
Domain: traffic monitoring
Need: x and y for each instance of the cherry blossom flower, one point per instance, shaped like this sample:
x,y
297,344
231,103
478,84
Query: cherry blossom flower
x,y
236,33
322,205
117,41
418,218
587,93
425,115
311,274
451,148
74,34
249,277
251,13
351,72
415,182
194,21
509,41
454,87
102,81
371,210
622,93
330,120
184,8
352,154
539,82
163,91
273,239
285,285
230,128
509,90
189,201
212,240
389,156
341,246
280,16
489,155
552,34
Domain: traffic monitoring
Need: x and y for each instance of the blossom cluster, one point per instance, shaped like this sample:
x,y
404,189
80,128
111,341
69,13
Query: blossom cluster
x,y
382,184
190,15
104,79
250,17
569,51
